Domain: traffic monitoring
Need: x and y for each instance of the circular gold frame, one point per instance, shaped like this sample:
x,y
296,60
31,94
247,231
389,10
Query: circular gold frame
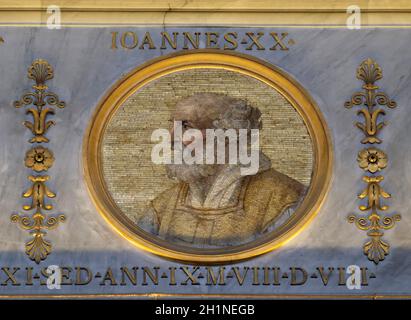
x,y
243,64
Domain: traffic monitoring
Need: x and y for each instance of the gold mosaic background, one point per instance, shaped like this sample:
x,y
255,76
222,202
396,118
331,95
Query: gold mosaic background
x,y
133,180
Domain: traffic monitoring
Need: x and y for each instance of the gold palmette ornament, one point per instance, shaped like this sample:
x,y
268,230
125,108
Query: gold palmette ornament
x,y
39,159
369,72
373,160
40,71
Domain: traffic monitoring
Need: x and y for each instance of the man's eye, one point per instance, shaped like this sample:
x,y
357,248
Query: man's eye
x,y
186,125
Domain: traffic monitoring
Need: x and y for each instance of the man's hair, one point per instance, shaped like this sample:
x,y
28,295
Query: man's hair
x,y
226,112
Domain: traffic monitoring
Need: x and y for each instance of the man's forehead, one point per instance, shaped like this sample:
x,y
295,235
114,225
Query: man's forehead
x,y
195,113
186,111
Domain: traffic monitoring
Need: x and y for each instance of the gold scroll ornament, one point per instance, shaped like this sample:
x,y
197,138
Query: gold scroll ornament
x,y
372,160
39,159
40,71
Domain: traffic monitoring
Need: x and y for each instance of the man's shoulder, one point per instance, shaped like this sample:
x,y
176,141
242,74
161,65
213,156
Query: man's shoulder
x,y
269,194
162,199
272,180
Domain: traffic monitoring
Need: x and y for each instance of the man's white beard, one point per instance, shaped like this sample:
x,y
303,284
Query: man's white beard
x,y
191,173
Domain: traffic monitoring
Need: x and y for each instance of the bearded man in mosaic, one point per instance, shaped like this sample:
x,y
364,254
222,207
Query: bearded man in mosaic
x,y
213,205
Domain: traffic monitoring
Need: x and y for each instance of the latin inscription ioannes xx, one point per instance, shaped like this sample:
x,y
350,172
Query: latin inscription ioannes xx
x,y
204,40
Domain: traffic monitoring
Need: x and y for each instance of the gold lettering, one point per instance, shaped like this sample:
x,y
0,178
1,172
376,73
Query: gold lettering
x,y
147,40
108,277
276,281
256,282
124,41
266,281
190,276
325,277
212,278
10,276
79,281
191,40
212,40
44,273
132,277
341,276
188,38
279,41
294,281
240,278
231,37
65,276
166,36
172,276
29,276
364,280
114,35
154,278
255,41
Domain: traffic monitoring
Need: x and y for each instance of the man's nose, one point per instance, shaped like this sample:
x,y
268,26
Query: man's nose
x,y
183,141
177,139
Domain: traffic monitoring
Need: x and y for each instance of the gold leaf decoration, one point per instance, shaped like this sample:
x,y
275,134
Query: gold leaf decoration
x,y
39,159
373,220
375,248
369,72
40,71
38,248
372,159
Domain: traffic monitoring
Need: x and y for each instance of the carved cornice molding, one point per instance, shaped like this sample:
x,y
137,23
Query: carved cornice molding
x,y
307,14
